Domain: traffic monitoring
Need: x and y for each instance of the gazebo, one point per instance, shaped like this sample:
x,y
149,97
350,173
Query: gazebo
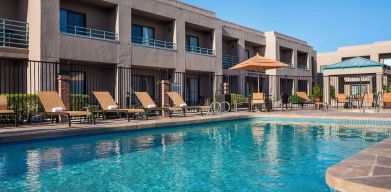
x,y
354,76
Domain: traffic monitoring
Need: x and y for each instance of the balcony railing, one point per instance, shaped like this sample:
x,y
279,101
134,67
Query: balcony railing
x,y
153,43
230,61
199,50
290,65
89,33
303,67
14,33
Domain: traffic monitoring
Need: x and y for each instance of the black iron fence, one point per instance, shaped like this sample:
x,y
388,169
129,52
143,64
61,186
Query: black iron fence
x,y
20,80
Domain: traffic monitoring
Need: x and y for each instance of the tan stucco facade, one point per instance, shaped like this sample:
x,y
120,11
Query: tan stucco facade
x,y
172,21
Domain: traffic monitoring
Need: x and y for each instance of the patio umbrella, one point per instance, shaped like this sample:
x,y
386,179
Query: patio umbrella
x,y
258,63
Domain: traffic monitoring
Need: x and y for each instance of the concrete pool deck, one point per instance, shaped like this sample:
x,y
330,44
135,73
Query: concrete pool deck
x,y
370,170
49,130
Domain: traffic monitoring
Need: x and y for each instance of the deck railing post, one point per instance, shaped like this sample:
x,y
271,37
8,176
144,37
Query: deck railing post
x,y
3,31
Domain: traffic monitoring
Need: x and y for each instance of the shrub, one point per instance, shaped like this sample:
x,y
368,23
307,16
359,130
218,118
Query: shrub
x,y
79,102
294,99
332,91
317,92
22,104
238,99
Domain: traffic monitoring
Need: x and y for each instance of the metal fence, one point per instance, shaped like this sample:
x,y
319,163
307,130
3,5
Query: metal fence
x,y
20,80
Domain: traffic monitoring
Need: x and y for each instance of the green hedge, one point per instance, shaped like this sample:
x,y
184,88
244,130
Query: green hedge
x,y
294,99
23,103
238,99
79,102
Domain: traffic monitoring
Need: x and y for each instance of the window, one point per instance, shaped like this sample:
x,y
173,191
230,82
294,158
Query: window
x,y
302,85
192,42
356,90
247,54
77,82
143,83
142,34
70,19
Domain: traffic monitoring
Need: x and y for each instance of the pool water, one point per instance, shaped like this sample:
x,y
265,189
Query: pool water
x,y
243,155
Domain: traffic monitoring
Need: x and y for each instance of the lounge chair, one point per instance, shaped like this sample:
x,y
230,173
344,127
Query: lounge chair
x,y
257,99
342,98
54,106
367,99
180,103
386,100
108,104
305,100
4,109
149,105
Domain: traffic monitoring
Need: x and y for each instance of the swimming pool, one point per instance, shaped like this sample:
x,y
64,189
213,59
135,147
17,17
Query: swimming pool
x,y
241,155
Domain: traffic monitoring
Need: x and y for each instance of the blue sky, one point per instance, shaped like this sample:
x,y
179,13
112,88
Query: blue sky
x,y
325,24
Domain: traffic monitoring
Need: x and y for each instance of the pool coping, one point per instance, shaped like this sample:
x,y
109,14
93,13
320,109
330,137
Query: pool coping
x,y
80,130
369,170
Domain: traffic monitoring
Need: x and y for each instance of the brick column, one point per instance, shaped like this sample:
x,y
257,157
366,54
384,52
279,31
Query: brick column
x,y
64,90
165,85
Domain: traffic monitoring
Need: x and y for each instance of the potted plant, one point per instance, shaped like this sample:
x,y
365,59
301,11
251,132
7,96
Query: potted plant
x,y
317,93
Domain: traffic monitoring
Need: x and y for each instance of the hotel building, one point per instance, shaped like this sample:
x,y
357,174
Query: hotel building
x,y
124,46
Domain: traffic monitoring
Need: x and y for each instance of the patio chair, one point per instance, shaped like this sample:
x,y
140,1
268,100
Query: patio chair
x,y
108,104
257,99
54,106
149,105
367,99
342,98
386,100
180,103
4,109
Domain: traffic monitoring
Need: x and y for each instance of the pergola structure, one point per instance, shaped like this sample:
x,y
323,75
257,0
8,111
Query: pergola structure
x,y
355,76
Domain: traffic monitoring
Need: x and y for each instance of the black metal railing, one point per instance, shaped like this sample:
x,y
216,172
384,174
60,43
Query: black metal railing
x,y
21,80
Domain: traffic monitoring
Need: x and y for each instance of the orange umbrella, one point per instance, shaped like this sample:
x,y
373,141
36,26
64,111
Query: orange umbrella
x,y
258,63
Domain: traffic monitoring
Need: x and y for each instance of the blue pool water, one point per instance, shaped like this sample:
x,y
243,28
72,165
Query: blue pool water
x,y
244,155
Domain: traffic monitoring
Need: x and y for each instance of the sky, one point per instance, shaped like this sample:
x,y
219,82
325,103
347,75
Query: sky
x,y
324,24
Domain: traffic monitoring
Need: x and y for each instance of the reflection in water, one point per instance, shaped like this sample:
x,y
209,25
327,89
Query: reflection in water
x,y
32,176
223,156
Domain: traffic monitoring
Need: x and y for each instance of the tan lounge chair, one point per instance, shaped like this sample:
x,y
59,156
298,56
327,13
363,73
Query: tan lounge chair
x,y
149,105
51,100
4,109
106,101
257,99
180,103
342,98
386,99
367,99
305,99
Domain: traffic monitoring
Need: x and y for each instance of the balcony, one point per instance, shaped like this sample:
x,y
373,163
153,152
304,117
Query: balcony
x,y
153,43
303,67
290,65
201,51
14,33
89,33
230,61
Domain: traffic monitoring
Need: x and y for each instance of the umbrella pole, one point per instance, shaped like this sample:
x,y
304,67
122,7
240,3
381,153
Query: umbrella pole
x,y
259,74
